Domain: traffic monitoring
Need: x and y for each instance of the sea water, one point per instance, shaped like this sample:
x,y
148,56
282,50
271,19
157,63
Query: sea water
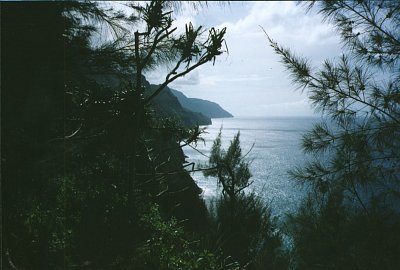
x,y
275,148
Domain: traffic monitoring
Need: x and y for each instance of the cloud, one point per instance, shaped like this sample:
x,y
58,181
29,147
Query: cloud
x,y
191,78
283,20
250,80
181,22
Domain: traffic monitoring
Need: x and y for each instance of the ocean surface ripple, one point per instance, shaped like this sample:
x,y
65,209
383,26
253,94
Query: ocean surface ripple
x,y
277,149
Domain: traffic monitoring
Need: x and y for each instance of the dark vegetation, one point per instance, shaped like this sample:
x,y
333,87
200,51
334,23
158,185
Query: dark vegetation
x,y
208,108
166,104
92,167
351,219
247,230
93,172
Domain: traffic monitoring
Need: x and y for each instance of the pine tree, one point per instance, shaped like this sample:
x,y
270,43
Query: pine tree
x,y
246,228
359,94
67,137
231,167
356,147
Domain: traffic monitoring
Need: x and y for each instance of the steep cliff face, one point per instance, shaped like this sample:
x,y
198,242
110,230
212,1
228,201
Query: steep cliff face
x,y
182,197
170,102
167,104
205,107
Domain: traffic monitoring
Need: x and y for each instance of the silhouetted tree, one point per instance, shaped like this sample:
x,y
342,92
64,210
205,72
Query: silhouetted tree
x,y
359,93
71,122
231,169
356,148
246,229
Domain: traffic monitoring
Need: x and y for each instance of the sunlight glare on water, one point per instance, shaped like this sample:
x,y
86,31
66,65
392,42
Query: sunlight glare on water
x,y
277,149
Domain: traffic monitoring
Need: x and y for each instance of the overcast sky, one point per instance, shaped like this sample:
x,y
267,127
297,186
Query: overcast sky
x,y
251,81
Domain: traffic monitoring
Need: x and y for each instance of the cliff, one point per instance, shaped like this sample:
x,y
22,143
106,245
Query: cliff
x,y
205,107
167,104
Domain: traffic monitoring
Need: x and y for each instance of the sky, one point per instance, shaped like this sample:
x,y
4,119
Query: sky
x,y
250,80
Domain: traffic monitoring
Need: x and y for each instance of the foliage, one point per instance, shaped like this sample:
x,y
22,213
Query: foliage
x,y
368,28
359,93
331,236
249,234
230,167
246,229
82,154
167,247
356,148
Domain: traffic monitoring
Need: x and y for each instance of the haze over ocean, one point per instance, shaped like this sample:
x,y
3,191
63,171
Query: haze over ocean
x,y
277,148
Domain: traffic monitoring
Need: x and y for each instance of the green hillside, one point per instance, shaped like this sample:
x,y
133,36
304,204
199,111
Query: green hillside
x,y
208,108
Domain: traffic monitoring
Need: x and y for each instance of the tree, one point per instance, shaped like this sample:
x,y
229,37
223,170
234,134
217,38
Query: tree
x,y
186,50
360,94
356,147
246,229
168,248
230,168
68,135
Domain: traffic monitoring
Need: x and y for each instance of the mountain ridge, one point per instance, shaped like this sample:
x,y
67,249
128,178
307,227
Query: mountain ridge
x,y
208,108
168,105
169,102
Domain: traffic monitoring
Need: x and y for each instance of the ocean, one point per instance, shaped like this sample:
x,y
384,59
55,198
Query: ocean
x,y
277,149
